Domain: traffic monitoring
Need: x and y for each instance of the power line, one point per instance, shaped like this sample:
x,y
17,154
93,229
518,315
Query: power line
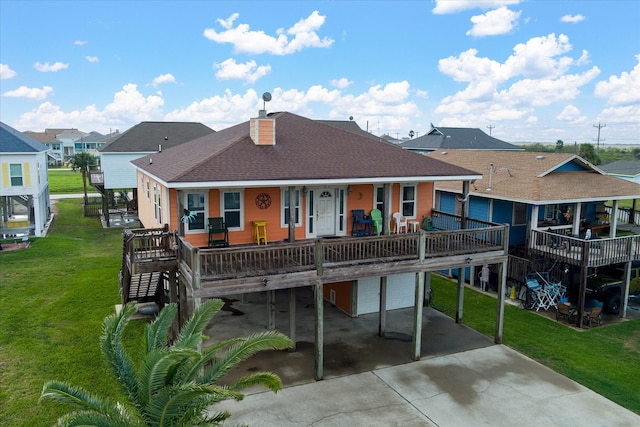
x,y
599,126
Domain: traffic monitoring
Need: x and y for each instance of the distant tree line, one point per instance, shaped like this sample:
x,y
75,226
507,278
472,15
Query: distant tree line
x,y
587,151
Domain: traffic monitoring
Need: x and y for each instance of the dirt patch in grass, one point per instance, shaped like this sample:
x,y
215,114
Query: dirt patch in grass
x,y
14,246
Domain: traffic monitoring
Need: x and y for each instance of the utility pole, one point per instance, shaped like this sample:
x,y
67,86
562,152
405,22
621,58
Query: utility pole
x,y
490,127
599,126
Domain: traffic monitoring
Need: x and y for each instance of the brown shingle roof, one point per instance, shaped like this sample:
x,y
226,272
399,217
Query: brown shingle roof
x,y
532,177
305,149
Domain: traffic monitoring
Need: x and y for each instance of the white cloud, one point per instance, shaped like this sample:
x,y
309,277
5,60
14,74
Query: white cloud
x,y
444,7
535,75
584,58
249,72
495,22
573,19
303,33
92,59
6,72
128,107
571,113
80,42
629,114
341,83
621,90
163,79
29,93
46,67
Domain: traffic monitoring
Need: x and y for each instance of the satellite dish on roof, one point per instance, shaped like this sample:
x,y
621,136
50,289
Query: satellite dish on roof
x,y
266,97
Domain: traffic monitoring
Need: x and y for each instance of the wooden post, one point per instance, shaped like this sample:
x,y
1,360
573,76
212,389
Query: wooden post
x,y
292,318
353,304
460,296
583,283
500,307
271,310
319,333
419,301
386,215
417,316
382,312
624,293
292,214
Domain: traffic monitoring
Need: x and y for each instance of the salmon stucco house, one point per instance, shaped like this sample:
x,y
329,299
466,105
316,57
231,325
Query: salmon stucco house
x,y
276,202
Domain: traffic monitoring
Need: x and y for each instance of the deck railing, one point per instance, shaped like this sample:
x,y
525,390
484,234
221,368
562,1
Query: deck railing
x,y
307,255
148,244
598,252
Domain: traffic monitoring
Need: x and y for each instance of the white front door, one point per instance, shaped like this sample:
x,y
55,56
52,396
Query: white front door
x,y
326,212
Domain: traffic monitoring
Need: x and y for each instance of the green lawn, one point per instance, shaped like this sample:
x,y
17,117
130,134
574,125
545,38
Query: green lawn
x,y
605,359
53,298
55,295
66,181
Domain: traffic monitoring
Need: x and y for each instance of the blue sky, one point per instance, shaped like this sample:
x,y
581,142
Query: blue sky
x,y
535,71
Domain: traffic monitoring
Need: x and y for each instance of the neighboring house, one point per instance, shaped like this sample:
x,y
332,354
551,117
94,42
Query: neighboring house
x,y
117,172
539,193
64,143
446,138
24,184
282,166
48,138
623,169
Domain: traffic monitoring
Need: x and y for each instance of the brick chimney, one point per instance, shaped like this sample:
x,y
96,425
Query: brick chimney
x,y
263,129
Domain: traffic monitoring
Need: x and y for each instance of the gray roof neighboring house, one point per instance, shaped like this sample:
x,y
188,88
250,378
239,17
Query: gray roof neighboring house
x,y
305,150
628,168
147,137
14,141
446,138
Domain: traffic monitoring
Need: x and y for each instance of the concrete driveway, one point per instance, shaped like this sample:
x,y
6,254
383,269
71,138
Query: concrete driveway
x,y
463,378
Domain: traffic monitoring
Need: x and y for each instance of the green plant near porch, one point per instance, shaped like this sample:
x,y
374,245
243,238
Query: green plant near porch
x,y
173,383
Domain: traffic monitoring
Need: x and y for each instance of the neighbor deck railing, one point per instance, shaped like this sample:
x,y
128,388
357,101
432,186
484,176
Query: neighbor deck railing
x,y
574,250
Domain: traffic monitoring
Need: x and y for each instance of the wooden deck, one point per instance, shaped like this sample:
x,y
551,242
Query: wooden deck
x,y
585,253
216,272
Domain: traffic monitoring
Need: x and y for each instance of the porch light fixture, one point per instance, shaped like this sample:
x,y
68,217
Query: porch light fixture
x,y
305,190
349,190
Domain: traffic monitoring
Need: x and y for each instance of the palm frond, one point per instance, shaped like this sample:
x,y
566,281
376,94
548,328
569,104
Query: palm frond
x,y
158,369
113,349
265,379
90,418
76,396
270,340
192,371
171,404
191,333
158,330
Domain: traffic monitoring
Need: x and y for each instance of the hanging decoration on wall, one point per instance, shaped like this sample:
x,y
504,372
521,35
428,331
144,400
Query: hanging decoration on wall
x,y
263,200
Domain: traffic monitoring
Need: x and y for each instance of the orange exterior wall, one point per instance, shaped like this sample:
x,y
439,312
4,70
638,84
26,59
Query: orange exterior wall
x,y
343,294
361,197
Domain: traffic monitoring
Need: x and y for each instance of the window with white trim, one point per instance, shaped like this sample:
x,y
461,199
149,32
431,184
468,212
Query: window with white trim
x,y
519,214
157,203
378,203
232,209
148,190
408,201
196,206
15,173
284,209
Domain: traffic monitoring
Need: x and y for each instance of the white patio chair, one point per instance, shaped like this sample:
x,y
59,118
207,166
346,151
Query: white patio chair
x,y
400,222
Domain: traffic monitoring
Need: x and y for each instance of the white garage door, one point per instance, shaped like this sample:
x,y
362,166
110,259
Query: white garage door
x,y
400,293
